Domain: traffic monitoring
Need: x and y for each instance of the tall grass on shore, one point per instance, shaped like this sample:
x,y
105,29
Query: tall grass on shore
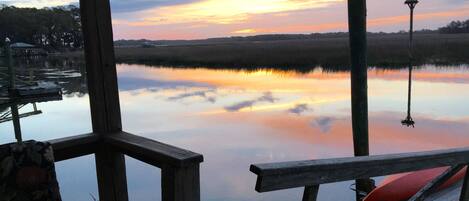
x,y
333,53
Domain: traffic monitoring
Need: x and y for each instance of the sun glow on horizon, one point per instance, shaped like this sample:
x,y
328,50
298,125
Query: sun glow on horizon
x,y
38,3
201,19
222,11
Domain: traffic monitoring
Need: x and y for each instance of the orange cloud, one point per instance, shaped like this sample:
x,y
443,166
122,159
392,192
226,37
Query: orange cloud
x,y
374,22
221,11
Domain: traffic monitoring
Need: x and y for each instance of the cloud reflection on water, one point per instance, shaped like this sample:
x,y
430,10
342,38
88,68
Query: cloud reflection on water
x,y
267,97
280,116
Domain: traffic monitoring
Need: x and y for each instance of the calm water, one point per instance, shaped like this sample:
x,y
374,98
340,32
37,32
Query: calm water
x,y
236,118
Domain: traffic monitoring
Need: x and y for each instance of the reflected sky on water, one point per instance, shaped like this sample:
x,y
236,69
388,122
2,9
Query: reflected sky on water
x,y
236,118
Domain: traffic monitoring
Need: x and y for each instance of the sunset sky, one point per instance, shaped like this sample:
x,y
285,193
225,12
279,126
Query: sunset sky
x,y
193,19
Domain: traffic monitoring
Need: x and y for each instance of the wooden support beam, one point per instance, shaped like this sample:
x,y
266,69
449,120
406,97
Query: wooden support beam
x,y
9,63
180,183
358,53
104,96
152,152
75,146
311,193
435,183
16,122
101,66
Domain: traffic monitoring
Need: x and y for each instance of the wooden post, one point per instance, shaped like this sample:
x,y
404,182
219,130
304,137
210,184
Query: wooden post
x,y
15,117
311,193
9,63
358,51
180,183
12,85
104,96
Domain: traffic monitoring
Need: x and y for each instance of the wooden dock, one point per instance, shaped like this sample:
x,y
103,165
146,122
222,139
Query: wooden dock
x,y
42,92
180,180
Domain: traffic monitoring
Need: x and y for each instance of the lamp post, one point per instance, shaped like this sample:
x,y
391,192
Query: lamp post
x,y
411,4
409,121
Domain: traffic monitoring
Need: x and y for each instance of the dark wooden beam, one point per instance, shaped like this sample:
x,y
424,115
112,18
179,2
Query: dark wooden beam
x,y
152,152
358,54
100,66
180,177
278,176
311,193
180,183
76,146
104,96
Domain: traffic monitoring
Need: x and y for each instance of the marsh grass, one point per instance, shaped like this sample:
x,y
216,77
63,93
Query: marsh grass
x,y
390,50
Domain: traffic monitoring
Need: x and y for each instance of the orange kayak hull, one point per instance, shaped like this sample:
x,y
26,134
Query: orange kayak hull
x,y
401,187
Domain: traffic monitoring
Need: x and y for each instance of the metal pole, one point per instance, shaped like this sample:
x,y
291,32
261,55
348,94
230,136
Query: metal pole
x,y
408,121
411,33
359,84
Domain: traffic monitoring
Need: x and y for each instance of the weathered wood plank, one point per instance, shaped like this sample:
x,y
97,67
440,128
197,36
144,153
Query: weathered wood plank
x,y
104,96
16,122
76,146
100,66
465,187
111,174
152,152
437,182
180,183
277,176
311,193
359,85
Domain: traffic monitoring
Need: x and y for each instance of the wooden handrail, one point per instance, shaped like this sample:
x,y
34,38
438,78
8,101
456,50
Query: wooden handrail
x,y
152,152
146,150
73,147
180,177
277,176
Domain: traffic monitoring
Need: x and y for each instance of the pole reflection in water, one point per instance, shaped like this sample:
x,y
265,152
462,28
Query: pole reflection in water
x,y
408,121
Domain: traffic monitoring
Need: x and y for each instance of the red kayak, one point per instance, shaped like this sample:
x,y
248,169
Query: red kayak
x,y
401,187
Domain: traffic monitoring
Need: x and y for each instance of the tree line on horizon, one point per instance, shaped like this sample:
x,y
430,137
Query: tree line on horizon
x,y
60,28
455,27
51,28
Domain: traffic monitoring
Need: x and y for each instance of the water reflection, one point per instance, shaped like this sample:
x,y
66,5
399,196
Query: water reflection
x,y
236,118
271,116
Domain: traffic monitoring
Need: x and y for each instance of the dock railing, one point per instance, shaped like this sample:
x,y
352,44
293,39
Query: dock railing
x,y
312,173
180,179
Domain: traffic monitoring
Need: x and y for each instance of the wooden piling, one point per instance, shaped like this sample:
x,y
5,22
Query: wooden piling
x,y
9,63
12,85
104,96
359,85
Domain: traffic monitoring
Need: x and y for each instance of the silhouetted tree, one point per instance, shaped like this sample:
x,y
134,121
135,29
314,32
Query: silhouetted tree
x,y
455,27
52,28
